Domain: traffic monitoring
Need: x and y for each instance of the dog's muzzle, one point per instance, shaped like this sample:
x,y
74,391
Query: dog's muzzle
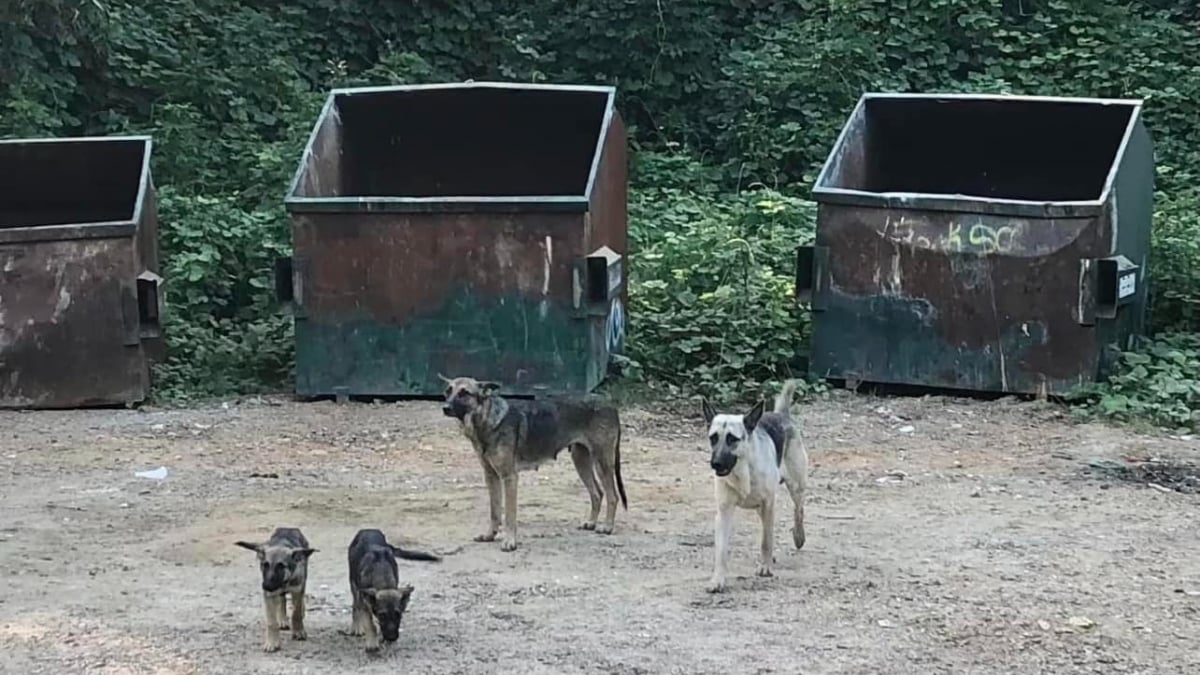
x,y
454,410
723,466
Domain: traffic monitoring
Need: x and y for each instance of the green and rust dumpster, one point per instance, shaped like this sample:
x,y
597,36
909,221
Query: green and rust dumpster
x,y
79,285
982,243
464,229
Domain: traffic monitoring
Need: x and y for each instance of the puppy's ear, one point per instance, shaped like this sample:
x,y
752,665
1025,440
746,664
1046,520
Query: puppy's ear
x,y
709,413
369,594
488,388
443,378
752,417
301,554
405,595
257,548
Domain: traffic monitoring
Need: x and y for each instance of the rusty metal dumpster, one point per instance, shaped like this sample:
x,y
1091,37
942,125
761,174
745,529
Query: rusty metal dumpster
x,y
79,285
473,228
983,243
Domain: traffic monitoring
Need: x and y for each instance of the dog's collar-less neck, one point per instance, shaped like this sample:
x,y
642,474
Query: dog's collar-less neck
x,y
496,412
497,408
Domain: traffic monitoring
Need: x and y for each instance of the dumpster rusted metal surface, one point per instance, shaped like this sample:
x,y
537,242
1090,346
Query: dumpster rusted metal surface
x,y
984,243
470,228
79,285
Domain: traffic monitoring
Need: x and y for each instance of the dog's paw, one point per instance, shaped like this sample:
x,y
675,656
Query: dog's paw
x,y
604,528
300,634
485,537
798,537
270,647
508,544
717,586
764,571
285,625
587,525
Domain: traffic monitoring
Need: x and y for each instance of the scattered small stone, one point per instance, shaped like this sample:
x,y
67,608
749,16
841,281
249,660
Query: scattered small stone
x,y
907,429
977,492
884,623
1043,624
1081,623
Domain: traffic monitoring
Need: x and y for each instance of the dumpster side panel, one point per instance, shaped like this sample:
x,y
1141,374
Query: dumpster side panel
x,y
69,325
390,300
322,164
608,225
1131,210
154,345
953,300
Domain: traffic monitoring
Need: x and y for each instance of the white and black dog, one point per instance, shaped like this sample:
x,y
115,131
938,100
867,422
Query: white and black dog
x,y
751,455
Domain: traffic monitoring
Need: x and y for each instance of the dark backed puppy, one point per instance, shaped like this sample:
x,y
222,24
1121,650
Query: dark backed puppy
x,y
283,561
517,435
375,586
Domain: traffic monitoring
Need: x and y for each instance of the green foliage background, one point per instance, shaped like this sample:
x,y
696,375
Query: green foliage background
x,y
733,105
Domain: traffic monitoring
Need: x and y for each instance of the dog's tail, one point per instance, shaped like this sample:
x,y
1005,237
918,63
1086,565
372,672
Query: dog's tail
x,y
783,402
408,554
617,469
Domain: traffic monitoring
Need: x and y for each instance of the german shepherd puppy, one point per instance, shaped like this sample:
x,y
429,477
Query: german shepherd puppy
x,y
375,586
517,435
283,560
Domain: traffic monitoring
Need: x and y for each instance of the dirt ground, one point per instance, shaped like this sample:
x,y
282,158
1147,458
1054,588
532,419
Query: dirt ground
x,y
944,536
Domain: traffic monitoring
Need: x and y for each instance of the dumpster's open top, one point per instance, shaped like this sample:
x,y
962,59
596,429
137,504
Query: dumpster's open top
x,y
1013,155
454,147
71,188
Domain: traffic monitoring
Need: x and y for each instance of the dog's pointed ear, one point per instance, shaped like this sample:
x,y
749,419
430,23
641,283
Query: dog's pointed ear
x,y
301,554
489,387
709,413
443,378
752,417
369,594
257,548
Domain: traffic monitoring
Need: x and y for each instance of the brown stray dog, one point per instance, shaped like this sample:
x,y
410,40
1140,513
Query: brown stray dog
x,y
518,435
283,560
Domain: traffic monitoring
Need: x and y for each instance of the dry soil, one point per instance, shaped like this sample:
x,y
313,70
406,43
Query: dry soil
x,y
944,536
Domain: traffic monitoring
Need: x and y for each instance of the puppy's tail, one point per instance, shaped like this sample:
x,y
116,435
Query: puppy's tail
x,y
783,401
414,555
617,470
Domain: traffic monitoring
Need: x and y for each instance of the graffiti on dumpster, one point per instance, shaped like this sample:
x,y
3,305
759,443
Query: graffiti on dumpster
x,y
976,238
614,330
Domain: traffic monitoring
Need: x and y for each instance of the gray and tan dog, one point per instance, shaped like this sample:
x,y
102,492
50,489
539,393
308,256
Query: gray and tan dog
x,y
518,435
751,455
283,561
375,586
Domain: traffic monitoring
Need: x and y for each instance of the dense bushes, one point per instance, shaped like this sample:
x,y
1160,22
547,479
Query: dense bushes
x,y
732,103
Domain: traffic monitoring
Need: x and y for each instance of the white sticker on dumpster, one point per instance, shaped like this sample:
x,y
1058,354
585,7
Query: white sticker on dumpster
x,y
1127,286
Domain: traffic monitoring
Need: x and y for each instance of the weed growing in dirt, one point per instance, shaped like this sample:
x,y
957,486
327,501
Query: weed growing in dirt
x,y
1159,384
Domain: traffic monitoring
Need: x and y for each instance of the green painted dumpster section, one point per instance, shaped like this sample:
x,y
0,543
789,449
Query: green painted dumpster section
x,y
458,229
982,243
